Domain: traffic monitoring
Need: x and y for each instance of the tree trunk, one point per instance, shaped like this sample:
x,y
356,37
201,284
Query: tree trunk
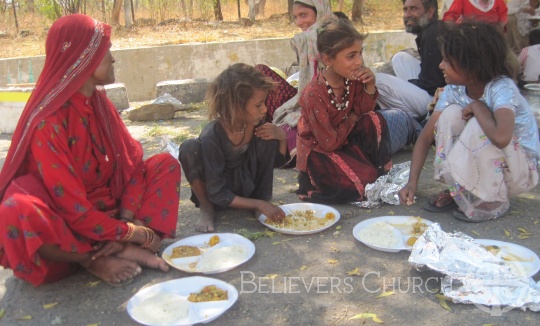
x,y
127,14
217,10
15,16
103,12
357,8
251,6
30,5
184,9
289,10
117,8
340,5
132,11
239,12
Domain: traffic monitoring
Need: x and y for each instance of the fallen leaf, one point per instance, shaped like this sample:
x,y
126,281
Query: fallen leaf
x,y
93,324
25,318
385,294
507,233
488,324
92,284
363,315
2,313
334,249
377,320
303,268
475,232
391,213
535,222
49,305
355,271
368,315
443,304
275,243
332,261
271,276
338,227
442,296
281,179
521,237
522,230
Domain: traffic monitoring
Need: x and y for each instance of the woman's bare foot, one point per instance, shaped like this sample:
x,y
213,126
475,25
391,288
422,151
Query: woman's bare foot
x,y
112,269
206,220
143,257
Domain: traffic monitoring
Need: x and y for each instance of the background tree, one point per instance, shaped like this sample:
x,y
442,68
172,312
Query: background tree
x,y
357,9
218,15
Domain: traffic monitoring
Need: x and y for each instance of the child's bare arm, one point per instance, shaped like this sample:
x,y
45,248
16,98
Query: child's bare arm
x,y
498,126
269,131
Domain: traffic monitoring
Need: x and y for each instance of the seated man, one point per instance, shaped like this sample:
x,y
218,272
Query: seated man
x,y
416,81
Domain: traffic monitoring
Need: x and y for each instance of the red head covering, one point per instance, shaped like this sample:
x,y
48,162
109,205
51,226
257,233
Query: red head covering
x,y
75,46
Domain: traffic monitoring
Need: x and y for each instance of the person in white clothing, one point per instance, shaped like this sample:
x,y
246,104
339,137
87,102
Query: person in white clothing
x,y
529,58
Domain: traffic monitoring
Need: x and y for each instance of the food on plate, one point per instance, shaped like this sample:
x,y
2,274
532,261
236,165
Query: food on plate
x,y
161,309
214,240
222,257
380,234
209,293
411,241
303,220
413,226
494,250
185,251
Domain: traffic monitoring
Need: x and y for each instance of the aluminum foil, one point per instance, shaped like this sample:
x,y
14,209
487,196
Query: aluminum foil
x,y
168,146
385,189
473,275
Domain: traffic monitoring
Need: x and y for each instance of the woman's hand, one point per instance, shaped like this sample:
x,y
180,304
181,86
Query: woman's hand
x,y
272,212
406,194
269,131
107,248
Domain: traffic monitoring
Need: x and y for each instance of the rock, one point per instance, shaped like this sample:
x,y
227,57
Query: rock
x,y
117,93
25,33
383,67
185,90
152,112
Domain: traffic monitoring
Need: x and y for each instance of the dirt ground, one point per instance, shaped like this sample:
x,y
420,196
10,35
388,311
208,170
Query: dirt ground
x,y
322,258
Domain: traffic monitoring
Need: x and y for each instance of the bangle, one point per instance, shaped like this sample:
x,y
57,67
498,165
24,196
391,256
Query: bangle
x,y
129,233
365,90
150,237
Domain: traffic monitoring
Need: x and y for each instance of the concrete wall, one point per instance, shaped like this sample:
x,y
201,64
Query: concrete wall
x,y
142,68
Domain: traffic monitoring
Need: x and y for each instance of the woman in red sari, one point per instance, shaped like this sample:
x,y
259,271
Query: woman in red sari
x,y
343,144
74,188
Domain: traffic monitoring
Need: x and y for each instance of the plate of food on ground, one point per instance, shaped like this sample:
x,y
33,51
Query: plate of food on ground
x,y
209,253
521,260
183,301
390,233
303,218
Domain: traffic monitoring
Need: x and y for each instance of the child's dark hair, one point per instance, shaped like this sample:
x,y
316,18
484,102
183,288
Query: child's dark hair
x,y
476,49
231,90
335,35
534,37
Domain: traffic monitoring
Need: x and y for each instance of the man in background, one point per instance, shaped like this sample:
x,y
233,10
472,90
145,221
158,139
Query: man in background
x,y
416,81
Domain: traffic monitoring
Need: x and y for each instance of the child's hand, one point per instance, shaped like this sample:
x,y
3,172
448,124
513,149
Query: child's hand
x,y
406,195
272,212
269,131
365,75
467,112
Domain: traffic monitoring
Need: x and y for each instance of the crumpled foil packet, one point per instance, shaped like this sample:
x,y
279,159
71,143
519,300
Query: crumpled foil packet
x,y
473,275
385,189
168,146
167,98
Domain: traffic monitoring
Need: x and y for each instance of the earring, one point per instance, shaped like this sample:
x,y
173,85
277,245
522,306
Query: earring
x,y
327,67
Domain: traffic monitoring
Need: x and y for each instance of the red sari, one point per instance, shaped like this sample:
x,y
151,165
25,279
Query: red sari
x,y
338,157
73,165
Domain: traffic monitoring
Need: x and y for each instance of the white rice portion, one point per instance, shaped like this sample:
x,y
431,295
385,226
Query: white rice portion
x,y
162,309
223,257
380,234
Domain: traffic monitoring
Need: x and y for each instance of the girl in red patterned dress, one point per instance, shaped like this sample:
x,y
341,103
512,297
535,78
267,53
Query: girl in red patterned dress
x,y
74,188
343,144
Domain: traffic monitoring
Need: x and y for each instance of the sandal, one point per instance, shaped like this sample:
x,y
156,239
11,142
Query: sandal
x,y
440,203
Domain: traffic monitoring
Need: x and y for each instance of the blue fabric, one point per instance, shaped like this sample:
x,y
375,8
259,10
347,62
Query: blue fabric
x,y
403,128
